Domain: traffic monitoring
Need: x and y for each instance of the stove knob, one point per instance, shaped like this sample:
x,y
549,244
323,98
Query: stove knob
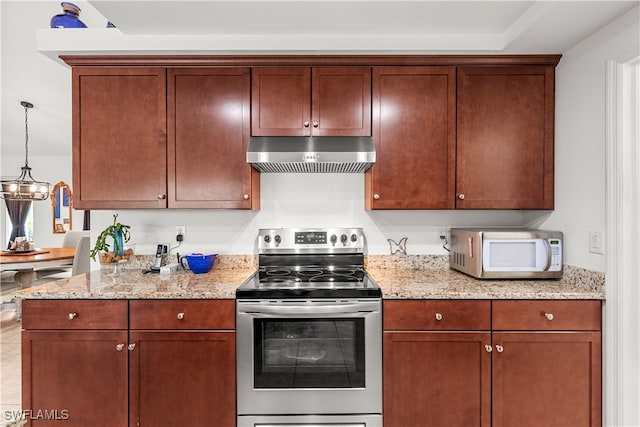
x,y
354,238
267,238
278,239
343,239
334,239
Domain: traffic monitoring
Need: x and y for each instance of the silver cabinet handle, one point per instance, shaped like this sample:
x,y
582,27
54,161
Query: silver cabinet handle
x,y
306,124
488,348
549,316
461,196
376,196
72,316
180,316
499,348
131,346
438,316
120,347
315,124
246,197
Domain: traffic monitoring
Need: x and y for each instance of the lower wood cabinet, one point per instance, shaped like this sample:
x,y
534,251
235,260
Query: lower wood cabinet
x,y
86,360
547,363
437,371
519,363
182,367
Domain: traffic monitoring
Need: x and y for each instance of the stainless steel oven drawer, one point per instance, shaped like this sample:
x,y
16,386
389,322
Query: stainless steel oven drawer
x,y
366,420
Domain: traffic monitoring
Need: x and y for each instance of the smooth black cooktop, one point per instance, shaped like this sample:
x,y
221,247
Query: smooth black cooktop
x,y
309,282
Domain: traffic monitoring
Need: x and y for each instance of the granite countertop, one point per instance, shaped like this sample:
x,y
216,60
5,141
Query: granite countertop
x,y
449,284
429,277
216,284
410,277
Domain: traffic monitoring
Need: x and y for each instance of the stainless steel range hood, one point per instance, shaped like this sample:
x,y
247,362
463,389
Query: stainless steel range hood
x,y
319,154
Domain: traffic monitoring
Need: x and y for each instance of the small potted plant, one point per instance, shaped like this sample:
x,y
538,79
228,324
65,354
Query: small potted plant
x,y
118,234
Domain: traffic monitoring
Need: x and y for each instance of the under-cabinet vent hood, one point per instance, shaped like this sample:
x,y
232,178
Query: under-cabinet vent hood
x,y
319,154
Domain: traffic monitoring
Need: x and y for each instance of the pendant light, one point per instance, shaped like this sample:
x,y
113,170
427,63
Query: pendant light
x,y
25,187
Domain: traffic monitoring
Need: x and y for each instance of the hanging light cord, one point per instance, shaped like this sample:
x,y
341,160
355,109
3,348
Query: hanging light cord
x,y
26,106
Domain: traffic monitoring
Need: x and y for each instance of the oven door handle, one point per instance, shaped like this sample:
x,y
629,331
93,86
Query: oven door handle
x,y
303,310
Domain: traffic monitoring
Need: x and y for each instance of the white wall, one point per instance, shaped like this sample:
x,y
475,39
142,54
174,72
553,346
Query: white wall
x,y
287,200
299,200
580,136
290,200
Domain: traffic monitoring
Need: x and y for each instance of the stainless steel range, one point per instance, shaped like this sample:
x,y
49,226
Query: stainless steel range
x,y
309,333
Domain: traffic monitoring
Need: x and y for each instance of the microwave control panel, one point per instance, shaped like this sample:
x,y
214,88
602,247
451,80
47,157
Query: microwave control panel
x,y
555,246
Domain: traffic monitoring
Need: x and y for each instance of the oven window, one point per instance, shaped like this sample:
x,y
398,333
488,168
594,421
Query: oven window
x,y
309,353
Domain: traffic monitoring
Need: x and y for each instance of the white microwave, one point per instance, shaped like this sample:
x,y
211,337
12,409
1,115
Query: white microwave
x,y
499,253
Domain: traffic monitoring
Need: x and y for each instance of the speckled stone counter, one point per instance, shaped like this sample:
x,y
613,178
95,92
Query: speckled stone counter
x,y
399,277
219,283
428,277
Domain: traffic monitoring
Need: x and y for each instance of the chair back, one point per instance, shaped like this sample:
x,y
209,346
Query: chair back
x,y
72,237
81,262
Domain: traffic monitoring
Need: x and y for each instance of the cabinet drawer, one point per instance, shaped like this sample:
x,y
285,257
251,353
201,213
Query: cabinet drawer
x,y
74,314
434,315
547,315
182,314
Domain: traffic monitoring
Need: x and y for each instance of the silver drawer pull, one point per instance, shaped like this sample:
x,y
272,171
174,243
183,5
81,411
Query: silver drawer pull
x,y
120,347
131,346
549,316
488,348
72,316
438,316
499,348
180,316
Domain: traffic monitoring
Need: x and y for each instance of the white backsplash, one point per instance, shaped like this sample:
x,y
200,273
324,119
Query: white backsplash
x,y
302,200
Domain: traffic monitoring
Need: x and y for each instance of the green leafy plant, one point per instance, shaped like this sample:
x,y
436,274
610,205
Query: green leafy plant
x,y
119,234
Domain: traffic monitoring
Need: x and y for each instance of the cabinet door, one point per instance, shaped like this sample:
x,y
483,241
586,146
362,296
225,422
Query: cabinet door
x,y
183,379
281,101
414,134
547,378
437,379
78,378
505,138
208,133
119,138
341,101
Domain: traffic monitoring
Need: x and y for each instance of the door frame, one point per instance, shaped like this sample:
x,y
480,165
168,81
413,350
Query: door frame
x,y
621,338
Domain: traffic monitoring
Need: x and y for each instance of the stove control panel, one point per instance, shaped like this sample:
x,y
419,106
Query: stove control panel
x,y
287,240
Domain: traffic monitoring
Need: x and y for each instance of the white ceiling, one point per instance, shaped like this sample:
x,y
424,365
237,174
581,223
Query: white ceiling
x,y
260,26
367,25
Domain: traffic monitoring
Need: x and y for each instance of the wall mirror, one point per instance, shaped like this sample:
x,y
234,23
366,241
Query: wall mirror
x,y
61,204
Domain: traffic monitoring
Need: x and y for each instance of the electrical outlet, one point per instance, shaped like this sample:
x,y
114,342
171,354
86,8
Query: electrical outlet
x,y
443,233
181,230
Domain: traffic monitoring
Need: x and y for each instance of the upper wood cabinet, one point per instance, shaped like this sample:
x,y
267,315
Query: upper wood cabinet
x,y
304,101
487,146
414,134
208,136
158,138
505,138
119,140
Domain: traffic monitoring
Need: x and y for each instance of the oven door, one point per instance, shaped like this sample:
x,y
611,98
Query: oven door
x,y
309,357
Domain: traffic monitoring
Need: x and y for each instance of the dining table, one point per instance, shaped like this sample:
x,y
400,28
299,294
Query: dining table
x,y
26,263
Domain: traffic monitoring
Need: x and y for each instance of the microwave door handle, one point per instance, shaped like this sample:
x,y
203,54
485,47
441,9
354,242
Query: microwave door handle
x,y
548,248
278,310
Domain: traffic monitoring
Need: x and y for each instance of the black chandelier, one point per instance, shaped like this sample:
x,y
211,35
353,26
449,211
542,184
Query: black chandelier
x,y
25,187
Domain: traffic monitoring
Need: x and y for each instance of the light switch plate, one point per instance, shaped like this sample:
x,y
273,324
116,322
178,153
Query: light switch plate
x,y
596,242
